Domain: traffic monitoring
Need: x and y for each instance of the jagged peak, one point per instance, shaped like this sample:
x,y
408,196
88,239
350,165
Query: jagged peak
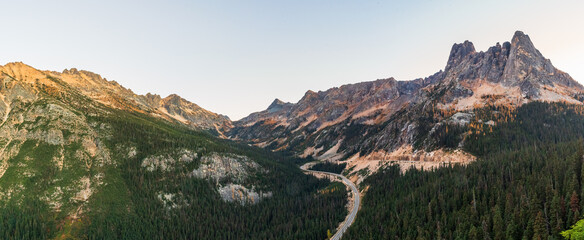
x,y
520,35
173,95
277,105
71,71
277,102
522,40
152,95
309,94
174,98
458,52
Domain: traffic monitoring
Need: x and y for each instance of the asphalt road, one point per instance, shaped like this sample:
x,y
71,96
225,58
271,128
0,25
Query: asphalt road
x,y
351,217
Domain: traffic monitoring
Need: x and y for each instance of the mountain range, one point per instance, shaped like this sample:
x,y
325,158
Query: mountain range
x,y
387,119
87,148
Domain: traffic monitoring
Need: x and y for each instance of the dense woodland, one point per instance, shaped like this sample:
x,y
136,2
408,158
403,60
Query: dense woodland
x,y
126,206
329,167
527,183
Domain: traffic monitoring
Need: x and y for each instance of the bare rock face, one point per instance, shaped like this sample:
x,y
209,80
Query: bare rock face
x,y
229,172
242,195
515,64
229,167
167,162
191,114
356,120
458,54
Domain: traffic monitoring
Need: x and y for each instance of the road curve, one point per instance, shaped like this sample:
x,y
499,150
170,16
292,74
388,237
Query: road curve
x,y
356,200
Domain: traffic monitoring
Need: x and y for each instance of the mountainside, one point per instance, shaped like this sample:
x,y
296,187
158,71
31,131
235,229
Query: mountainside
x,y
526,184
84,158
405,120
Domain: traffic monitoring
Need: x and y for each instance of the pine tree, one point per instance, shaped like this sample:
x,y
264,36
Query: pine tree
x,y
556,222
498,224
473,233
539,227
575,206
511,232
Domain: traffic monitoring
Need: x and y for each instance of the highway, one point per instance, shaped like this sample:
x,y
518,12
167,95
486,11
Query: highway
x,y
356,200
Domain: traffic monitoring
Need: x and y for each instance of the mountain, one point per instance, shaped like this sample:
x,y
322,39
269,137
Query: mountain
x,y
114,95
388,119
85,158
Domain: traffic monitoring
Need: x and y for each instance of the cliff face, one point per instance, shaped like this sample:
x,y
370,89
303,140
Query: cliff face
x,y
363,119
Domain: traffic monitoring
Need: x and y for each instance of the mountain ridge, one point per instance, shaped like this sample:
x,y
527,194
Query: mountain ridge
x,y
389,114
111,93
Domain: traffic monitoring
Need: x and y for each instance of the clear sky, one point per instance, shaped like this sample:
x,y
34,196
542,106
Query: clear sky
x,y
235,57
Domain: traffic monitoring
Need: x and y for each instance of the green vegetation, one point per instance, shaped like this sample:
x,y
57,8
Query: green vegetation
x,y
527,184
296,209
575,232
27,220
329,167
127,205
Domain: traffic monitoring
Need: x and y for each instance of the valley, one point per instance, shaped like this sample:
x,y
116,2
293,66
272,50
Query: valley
x,y
354,198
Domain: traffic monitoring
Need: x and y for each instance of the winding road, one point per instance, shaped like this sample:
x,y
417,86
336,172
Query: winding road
x,y
356,199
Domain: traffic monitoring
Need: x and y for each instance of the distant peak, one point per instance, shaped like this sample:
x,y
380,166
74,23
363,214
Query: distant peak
x,y
152,95
277,102
276,105
173,97
458,52
17,65
71,71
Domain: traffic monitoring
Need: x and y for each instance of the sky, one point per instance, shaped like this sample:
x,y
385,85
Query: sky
x,y
236,57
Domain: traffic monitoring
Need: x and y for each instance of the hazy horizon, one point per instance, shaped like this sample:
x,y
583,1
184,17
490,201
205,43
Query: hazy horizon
x,y
235,58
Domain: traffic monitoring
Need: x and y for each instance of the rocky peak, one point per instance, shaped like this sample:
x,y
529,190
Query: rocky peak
x,y
153,100
528,68
310,95
459,52
152,96
522,40
512,64
173,98
72,71
276,105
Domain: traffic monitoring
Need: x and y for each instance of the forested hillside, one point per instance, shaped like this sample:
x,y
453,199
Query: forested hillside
x,y
127,206
527,184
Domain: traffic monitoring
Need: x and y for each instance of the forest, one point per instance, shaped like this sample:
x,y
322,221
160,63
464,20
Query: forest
x,y
329,167
526,184
126,206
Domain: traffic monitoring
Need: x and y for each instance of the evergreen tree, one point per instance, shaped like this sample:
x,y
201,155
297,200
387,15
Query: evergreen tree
x,y
539,227
498,224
